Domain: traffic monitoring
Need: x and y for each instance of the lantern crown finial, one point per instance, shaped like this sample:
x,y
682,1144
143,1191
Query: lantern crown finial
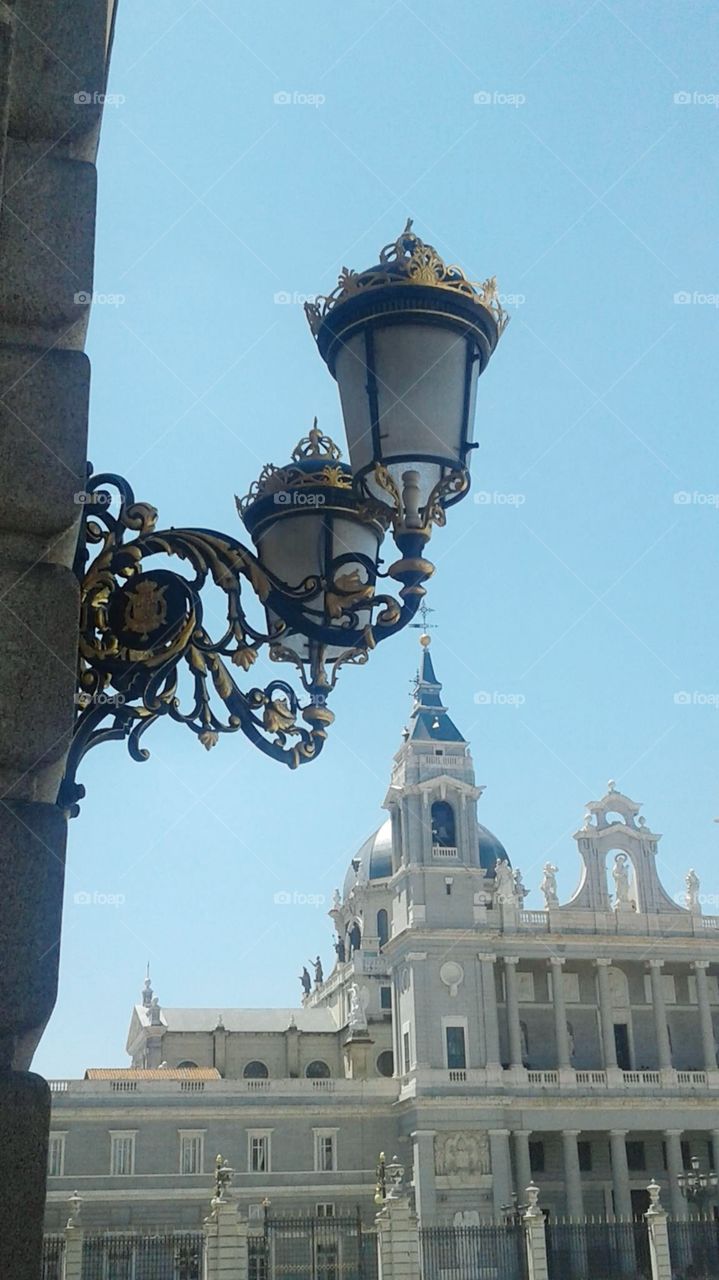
x,y
408,261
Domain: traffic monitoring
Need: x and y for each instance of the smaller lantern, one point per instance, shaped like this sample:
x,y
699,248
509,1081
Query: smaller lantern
x,y
320,546
406,341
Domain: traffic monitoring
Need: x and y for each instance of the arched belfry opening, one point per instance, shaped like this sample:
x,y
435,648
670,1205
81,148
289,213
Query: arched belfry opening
x,y
444,832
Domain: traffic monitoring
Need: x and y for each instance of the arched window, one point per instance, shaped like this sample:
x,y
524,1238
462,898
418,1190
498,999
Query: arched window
x,y
255,1071
443,831
186,1065
385,1063
355,937
317,1070
382,926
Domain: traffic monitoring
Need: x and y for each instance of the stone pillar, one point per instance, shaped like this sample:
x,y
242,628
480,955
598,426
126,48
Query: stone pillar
x,y
660,1015
656,1220
501,1170
72,1257
572,1175
522,1161
606,1015
535,1236
620,1175
425,1195
560,1014
675,1166
715,1150
398,1240
705,1015
513,1022
226,1243
48,140
491,1017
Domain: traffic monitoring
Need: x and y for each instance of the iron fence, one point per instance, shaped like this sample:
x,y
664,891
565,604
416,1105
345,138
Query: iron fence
x,y
491,1252
313,1248
53,1249
694,1249
171,1256
598,1251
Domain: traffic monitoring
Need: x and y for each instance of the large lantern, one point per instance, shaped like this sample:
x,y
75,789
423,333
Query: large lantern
x,y
406,341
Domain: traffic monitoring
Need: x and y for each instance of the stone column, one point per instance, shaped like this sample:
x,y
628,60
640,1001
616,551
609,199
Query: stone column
x,y
425,1195
660,1015
572,1175
491,1018
501,1169
226,1236
513,1021
560,1014
535,1236
656,1220
48,141
606,1015
620,1175
705,1015
72,1257
715,1150
398,1240
522,1161
675,1166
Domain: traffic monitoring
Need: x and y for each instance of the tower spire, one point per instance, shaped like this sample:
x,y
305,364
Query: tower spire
x,y
429,721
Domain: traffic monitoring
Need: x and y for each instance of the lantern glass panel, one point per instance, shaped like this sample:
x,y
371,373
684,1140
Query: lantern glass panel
x,y
296,547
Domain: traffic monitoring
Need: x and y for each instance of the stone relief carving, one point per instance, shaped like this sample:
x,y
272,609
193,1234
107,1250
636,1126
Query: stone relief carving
x,y
461,1154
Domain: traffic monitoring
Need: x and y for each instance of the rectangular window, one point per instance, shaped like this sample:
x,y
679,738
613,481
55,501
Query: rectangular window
x,y
56,1155
536,1157
258,1151
636,1157
122,1154
325,1150
192,1145
385,997
325,1209
686,1155
584,1151
456,1050
406,1051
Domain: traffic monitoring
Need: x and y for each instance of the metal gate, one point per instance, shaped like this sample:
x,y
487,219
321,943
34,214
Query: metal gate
x,y
492,1252
303,1248
598,1251
172,1256
53,1249
694,1249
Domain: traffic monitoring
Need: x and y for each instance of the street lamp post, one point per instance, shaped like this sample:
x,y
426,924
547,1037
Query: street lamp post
x,y
698,1187
390,1179
406,342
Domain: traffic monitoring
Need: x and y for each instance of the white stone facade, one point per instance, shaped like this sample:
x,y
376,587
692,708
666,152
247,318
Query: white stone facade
x,y
484,1044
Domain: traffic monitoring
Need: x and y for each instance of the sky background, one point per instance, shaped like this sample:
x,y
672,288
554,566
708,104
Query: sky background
x,y
579,575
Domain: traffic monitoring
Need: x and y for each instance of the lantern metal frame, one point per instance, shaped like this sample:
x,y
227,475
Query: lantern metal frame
x,y
142,631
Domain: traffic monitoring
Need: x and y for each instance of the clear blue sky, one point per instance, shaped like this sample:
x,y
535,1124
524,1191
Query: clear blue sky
x,y
594,598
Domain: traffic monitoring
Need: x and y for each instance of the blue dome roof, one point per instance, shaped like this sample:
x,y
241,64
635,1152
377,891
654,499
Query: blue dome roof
x,y
491,850
375,858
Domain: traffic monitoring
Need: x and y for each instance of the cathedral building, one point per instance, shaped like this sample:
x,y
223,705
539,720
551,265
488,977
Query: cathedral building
x,y
485,1044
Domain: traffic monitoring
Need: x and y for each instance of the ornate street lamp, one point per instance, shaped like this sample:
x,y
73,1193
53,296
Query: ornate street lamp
x,y
697,1187
406,342
390,1179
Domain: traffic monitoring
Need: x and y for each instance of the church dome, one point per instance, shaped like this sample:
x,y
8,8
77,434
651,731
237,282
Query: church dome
x,y
375,858
491,850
